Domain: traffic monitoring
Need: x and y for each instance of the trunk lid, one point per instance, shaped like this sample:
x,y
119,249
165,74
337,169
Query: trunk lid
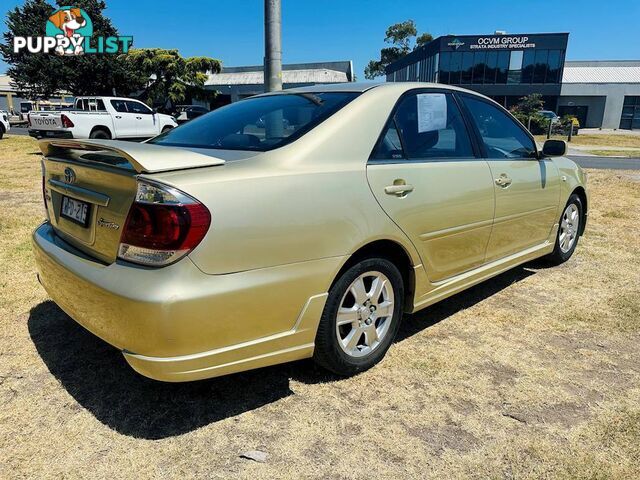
x,y
100,177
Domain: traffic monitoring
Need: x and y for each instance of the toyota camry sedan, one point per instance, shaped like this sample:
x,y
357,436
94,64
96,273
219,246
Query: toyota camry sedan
x,y
298,224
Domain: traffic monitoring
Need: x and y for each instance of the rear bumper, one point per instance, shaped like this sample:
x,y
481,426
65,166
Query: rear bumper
x,y
34,132
177,323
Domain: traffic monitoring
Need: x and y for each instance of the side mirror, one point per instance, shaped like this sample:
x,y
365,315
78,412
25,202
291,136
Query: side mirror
x,y
554,148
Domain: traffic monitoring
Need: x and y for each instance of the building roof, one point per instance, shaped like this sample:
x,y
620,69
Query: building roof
x,y
294,73
336,87
601,72
322,75
5,84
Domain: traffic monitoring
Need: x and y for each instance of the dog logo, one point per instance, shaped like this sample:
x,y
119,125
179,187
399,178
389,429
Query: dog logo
x,y
69,31
73,24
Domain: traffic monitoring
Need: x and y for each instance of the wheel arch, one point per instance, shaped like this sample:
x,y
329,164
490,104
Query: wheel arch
x,y
582,194
394,252
103,128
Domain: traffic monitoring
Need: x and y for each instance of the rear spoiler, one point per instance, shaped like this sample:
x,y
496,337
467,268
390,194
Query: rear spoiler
x,y
143,157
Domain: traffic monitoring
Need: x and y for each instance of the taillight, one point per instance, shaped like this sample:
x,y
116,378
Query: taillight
x,y
163,225
66,121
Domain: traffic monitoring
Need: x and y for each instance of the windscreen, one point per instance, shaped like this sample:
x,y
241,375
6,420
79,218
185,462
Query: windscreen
x,y
257,123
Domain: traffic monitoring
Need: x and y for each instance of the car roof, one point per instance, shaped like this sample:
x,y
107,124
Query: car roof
x,y
366,86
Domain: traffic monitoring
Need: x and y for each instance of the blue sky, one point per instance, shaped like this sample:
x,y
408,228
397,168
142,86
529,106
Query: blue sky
x,y
354,29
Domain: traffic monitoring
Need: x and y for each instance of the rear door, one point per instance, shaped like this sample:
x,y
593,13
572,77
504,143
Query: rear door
x,y
124,122
527,189
426,175
146,120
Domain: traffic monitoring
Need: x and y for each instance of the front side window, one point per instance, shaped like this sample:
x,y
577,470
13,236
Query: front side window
x,y
502,136
258,123
137,107
430,126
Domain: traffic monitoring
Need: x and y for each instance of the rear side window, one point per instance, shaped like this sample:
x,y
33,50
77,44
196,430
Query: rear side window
x,y
258,123
425,126
119,106
390,147
502,136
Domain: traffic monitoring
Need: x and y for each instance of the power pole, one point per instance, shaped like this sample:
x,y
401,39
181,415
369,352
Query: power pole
x,y
272,46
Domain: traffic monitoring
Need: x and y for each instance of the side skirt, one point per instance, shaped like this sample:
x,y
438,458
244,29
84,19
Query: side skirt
x,y
453,285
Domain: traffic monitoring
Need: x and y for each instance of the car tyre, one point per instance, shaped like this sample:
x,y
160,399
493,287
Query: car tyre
x,y
360,318
166,129
569,231
100,135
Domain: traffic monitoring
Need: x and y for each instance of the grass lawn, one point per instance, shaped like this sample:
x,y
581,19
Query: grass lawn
x,y
533,374
600,140
616,153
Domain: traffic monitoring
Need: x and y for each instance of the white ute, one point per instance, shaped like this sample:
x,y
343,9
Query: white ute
x,y
100,117
4,122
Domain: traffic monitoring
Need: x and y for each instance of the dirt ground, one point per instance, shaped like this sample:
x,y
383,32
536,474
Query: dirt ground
x,y
534,374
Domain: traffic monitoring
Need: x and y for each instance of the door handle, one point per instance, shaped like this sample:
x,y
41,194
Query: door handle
x,y
118,116
503,180
139,118
399,190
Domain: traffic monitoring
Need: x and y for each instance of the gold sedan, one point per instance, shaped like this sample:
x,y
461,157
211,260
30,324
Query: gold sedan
x,y
297,224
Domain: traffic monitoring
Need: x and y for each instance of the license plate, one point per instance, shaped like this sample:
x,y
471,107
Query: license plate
x,y
75,210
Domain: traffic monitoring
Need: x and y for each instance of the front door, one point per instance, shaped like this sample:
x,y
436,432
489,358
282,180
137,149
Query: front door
x,y
146,120
124,122
428,179
527,189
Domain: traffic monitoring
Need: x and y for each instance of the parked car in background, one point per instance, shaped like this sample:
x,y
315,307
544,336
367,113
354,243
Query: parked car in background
x,y
560,126
100,117
549,115
184,113
573,121
4,122
210,250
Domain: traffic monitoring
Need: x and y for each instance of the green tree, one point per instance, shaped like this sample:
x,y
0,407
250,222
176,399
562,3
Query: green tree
x,y
165,76
423,39
39,75
527,110
401,37
30,72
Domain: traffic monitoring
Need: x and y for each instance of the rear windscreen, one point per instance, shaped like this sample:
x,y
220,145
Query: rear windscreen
x,y
258,123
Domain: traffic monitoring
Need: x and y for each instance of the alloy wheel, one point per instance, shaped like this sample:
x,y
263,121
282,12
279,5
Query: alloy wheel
x,y
365,314
569,227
